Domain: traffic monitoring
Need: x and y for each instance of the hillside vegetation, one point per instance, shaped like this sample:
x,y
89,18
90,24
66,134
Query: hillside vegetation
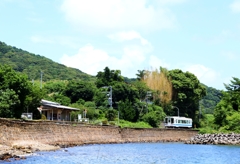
x,y
209,102
32,65
148,98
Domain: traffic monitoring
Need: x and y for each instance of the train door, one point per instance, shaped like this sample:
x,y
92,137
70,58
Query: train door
x,y
168,121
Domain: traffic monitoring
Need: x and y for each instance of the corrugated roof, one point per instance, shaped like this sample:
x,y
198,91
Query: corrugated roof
x,y
56,105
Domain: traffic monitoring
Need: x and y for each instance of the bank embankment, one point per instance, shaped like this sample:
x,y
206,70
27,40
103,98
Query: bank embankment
x,y
21,137
215,139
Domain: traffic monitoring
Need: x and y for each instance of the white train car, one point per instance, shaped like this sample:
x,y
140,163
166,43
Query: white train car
x,y
177,122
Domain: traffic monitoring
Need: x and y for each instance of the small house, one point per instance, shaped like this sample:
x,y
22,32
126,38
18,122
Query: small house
x,y
55,111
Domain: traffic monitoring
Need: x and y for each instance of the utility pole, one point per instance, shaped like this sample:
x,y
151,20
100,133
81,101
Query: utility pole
x,y
110,97
109,94
41,80
177,109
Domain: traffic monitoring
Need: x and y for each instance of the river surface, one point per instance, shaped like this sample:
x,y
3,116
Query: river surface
x,y
138,153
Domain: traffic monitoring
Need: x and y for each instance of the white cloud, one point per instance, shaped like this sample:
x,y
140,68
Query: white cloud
x,y
235,6
91,60
87,59
119,14
206,75
156,63
171,2
129,35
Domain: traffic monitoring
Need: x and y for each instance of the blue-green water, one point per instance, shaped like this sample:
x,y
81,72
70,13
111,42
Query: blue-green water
x,y
138,153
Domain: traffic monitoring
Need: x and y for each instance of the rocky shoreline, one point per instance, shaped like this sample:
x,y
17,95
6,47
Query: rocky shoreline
x,y
20,149
215,139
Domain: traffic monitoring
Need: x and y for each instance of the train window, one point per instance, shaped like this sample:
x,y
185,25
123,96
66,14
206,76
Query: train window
x,y
166,120
172,120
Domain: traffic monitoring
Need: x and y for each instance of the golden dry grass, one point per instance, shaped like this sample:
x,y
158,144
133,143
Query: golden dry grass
x,y
158,81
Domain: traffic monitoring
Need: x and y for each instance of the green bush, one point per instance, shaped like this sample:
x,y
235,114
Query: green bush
x,y
43,117
152,119
105,122
127,124
112,123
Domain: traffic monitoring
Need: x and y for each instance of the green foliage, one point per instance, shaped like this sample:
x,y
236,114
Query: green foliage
x,y
43,117
229,103
124,92
126,111
90,104
154,116
232,123
32,101
17,82
80,90
207,124
72,87
187,92
209,102
140,75
8,101
100,98
141,88
92,113
111,114
32,65
127,124
108,77
129,80
81,101
222,109
55,86
227,111
105,122
55,97
151,118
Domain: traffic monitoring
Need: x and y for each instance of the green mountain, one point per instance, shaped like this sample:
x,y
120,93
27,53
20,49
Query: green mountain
x,y
211,99
32,65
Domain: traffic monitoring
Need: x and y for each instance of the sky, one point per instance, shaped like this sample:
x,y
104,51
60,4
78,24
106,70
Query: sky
x,y
199,36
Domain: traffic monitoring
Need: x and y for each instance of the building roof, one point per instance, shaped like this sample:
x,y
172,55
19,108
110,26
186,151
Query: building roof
x,y
46,104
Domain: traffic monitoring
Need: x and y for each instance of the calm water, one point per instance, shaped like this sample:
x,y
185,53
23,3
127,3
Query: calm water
x,y
138,153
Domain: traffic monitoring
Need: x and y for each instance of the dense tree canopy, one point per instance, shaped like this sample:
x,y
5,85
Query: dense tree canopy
x,y
16,91
108,77
76,90
187,92
227,111
209,102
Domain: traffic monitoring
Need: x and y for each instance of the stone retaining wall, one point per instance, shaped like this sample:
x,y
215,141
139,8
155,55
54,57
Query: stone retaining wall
x,y
78,134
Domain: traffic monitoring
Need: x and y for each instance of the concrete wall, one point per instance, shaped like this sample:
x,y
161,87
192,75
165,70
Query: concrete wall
x,y
78,134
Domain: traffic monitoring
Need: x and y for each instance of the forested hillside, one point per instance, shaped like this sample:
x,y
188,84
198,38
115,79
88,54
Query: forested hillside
x,y
209,102
32,65
129,96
